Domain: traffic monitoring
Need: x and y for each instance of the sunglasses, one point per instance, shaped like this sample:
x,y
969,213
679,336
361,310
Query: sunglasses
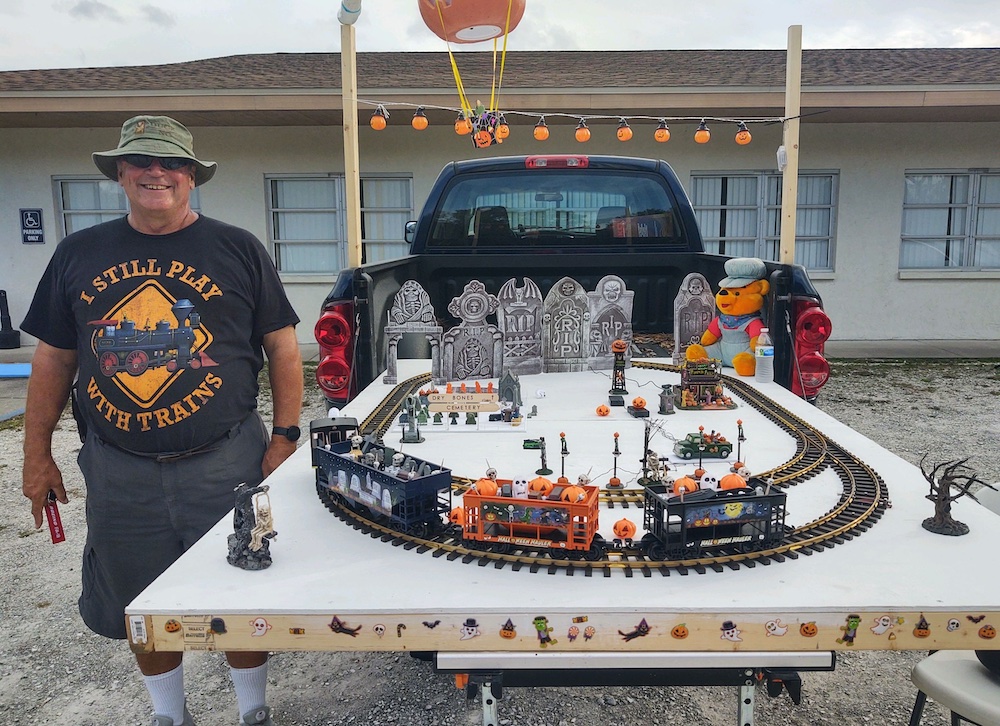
x,y
169,163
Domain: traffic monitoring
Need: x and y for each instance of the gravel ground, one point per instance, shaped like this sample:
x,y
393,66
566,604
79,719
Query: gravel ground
x,y
53,670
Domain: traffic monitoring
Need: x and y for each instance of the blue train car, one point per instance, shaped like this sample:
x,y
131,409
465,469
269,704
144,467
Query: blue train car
x,y
398,488
709,522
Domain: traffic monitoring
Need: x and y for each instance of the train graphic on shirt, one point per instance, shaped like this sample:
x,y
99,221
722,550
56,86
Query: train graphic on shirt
x,y
122,347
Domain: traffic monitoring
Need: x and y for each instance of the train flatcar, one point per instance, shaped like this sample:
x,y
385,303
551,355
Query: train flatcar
x,y
710,522
390,486
562,522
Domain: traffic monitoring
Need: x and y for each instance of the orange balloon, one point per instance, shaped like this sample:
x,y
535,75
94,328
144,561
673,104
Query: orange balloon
x,y
470,21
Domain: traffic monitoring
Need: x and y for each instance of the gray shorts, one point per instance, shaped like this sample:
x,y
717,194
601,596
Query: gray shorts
x,y
143,514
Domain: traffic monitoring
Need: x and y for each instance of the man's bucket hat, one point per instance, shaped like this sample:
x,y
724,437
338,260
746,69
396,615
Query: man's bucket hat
x,y
159,136
741,271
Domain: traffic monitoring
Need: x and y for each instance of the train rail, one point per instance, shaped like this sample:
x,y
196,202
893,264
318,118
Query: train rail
x,y
863,500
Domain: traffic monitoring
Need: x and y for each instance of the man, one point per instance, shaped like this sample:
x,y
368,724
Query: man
x,y
161,318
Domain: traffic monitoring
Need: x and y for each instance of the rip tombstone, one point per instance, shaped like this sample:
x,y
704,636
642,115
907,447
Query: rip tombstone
x,y
694,308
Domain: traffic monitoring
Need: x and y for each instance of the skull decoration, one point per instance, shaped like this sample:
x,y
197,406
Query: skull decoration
x,y
379,629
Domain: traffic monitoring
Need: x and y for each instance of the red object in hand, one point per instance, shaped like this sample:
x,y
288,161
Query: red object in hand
x,y
55,522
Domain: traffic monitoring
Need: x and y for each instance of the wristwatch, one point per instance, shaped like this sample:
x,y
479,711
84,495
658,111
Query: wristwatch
x,y
291,433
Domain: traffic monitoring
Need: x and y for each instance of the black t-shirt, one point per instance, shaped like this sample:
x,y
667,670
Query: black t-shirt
x,y
167,328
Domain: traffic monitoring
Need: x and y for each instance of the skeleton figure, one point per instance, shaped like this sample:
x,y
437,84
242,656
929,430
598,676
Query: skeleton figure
x,y
356,442
265,523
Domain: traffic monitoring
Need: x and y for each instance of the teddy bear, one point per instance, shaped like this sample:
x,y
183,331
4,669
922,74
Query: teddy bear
x,y
732,335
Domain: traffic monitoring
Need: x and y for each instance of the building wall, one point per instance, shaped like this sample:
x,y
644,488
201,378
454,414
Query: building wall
x,y
866,295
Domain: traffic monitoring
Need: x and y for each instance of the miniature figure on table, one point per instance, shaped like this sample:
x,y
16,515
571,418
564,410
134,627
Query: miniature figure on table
x,y
732,335
948,481
250,530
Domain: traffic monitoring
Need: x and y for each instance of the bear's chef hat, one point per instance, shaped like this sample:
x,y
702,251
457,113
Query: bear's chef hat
x,y
741,271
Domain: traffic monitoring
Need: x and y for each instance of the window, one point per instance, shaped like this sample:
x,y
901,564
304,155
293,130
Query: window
x,y
84,202
740,215
308,221
951,221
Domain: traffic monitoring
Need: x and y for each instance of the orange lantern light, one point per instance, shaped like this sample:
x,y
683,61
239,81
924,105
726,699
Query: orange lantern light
x,y
582,132
471,21
503,130
463,126
743,136
702,135
662,133
541,132
419,120
624,132
378,119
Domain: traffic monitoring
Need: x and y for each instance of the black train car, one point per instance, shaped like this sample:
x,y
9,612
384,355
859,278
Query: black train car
x,y
708,522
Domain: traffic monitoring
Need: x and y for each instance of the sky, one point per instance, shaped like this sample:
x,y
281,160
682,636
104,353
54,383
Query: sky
x,y
37,34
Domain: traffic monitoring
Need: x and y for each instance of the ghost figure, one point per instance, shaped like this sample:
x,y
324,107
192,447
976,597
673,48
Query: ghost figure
x,y
540,393
882,624
775,628
708,481
260,627
730,632
470,629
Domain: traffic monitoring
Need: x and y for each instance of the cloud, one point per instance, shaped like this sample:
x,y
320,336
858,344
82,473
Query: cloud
x,y
157,16
95,10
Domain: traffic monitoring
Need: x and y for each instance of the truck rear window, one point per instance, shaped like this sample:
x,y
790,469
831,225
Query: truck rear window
x,y
556,209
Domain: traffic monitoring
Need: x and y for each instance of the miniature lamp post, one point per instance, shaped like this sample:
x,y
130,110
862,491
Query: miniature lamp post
x,y
618,389
615,481
740,438
701,445
667,399
563,453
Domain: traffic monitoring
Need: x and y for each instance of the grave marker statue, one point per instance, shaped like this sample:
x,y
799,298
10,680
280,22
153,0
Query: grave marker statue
x,y
694,308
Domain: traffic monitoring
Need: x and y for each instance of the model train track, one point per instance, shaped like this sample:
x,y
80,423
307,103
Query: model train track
x,y
864,498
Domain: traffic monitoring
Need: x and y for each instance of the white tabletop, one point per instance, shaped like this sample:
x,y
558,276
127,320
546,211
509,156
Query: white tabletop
x,y
890,576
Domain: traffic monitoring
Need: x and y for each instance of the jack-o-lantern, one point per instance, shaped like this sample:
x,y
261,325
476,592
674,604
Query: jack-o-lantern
x,y
987,632
540,486
624,132
471,21
639,402
457,516
573,493
508,632
172,626
624,529
483,138
923,632
680,631
463,127
603,410
685,485
732,481
619,346
486,487
503,130
809,630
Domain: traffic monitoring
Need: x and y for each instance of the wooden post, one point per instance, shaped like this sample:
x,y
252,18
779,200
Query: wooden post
x,y
352,166
790,143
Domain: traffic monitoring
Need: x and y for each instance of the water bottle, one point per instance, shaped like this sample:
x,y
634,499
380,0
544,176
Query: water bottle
x,y
764,356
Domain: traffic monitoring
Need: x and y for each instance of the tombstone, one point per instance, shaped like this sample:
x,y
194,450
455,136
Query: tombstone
x,y
694,308
474,347
411,312
520,321
610,307
565,327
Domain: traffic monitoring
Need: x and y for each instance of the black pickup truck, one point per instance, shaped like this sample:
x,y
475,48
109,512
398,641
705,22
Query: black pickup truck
x,y
546,217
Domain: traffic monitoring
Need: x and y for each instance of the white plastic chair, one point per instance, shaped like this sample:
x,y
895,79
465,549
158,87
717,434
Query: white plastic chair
x,y
955,678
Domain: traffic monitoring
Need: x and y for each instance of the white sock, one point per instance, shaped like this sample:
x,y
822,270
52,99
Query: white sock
x,y
250,685
166,690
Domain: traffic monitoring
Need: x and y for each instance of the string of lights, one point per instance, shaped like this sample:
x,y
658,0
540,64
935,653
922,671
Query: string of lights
x,y
488,127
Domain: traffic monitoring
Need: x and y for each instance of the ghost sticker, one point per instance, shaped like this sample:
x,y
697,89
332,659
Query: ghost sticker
x,y
260,627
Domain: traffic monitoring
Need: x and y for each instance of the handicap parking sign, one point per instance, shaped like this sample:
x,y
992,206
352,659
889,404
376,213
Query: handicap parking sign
x,y
31,227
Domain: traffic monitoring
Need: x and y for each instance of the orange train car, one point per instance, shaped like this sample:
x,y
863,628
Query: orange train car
x,y
563,522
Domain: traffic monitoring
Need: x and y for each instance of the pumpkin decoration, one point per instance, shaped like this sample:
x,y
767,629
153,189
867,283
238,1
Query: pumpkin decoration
x,y
603,409
471,21
463,126
486,487
457,516
639,402
921,632
808,630
685,485
419,120
624,132
483,138
508,631
987,632
377,120
703,134
573,493
680,631
743,136
540,486
503,130
541,132
624,529
732,481
582,133
619,346
662,133
172,626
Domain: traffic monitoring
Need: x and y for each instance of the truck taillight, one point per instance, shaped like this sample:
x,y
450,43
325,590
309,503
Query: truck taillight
x,y
334,332
812,329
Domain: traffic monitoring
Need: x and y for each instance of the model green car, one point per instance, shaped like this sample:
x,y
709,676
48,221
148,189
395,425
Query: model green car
x,y
709,446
